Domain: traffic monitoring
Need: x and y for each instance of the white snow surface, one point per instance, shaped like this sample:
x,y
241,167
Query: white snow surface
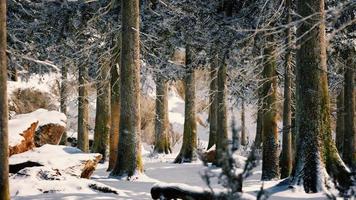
x,y
22,122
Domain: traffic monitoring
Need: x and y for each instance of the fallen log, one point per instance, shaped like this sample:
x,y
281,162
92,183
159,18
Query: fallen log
x,y
20,145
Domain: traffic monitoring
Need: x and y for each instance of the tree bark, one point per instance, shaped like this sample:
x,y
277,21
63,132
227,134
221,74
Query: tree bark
x,y
243,125
221,139
162,144
213,104
340,122
270,153
115,109
315,146
129,150
189,146
4,140
63,98
286,155
102,117
349,150
83,110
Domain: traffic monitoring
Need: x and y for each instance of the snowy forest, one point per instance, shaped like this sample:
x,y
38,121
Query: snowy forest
x,y
177,99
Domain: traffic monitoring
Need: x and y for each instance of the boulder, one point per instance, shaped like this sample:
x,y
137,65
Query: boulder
x,y
49,134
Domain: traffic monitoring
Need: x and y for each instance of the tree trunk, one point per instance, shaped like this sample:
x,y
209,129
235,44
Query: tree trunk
x,y
340,122
349,151
189,146
4,140
129,150
258,138
115,109
83,110
63,98
102,117
315,146
162,144
286,155
270,153
243,126
213,104
221,139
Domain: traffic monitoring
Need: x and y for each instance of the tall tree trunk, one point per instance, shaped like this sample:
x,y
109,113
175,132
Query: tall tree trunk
x,y
340,121
189,146
259,121
349,151
63,98
243,125
83,110
270,153
129,151
221,139
286,155
162,144
115,109
4,140
102,117
213,103
315,146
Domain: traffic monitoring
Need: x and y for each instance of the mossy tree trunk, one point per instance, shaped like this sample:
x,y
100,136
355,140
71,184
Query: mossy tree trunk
x,y
162,143
243,124
4,140
315,146
286,155
270,153
349,147
102,117
129,150
213,103
83,110
189,146
340,121
115,109
63,98
221,136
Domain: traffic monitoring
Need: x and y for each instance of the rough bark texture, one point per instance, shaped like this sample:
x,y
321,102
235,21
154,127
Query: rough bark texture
x,y
4,140
213,104
315,146
129,154
340,122
162,144
270,153
83,110
349,149
189,146
243,125
63,98
221,139
115,111
102,117
286,155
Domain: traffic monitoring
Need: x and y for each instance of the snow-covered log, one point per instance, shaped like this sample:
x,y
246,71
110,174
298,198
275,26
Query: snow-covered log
x,y
65,159
21,141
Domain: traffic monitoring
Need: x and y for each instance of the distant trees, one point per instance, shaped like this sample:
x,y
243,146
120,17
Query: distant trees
x,y
4,140
102,117
244,139
189,146
63,97
83,110
129,149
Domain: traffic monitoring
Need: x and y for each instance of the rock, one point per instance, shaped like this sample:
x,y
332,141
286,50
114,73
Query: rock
x,y
26,143
49,134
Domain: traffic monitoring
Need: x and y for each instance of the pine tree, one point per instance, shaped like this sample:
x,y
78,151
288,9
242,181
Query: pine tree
x,y
286,155
102,117
189,146
270,153
162,144
83,110
213,103
4,140
129,150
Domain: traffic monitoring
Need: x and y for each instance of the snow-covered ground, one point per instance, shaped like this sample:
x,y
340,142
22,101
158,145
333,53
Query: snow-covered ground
x,y
157,169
